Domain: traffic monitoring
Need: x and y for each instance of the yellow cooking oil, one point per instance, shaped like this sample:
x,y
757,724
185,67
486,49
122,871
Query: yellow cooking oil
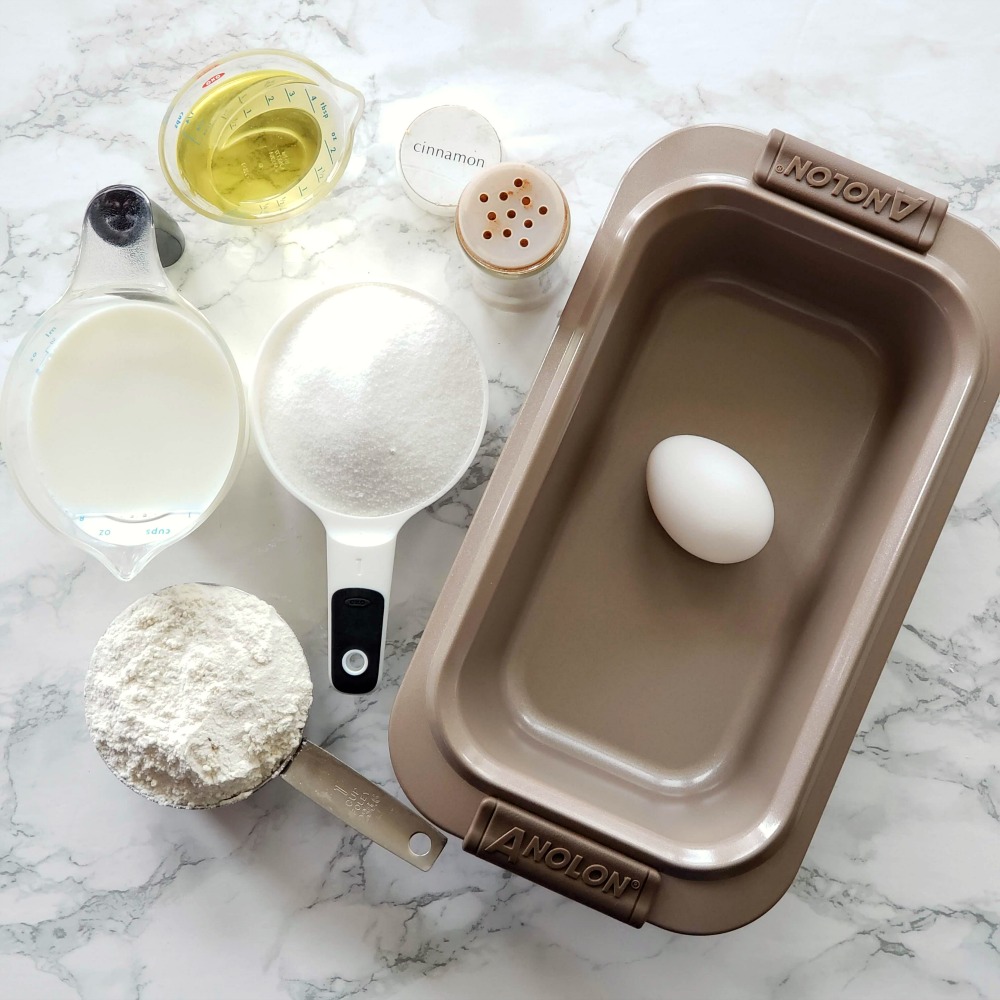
x,y
252,144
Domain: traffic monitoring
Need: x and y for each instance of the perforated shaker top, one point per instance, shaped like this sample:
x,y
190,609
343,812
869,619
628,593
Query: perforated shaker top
x,y
512,219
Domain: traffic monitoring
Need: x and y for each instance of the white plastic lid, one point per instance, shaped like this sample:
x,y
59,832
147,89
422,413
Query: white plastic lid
x,y
441,151
512,219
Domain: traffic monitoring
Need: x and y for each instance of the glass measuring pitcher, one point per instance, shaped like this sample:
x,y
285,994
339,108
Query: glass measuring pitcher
x,y
258,136
123,418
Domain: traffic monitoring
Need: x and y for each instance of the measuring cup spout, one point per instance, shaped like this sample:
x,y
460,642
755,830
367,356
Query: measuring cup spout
x,y
127,240
125,562
353,109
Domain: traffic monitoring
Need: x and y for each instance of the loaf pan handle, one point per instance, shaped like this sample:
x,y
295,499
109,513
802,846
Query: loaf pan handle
x,y
571,864
849,191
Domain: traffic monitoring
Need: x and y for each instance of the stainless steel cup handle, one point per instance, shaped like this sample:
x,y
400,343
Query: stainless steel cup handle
x,y
361,804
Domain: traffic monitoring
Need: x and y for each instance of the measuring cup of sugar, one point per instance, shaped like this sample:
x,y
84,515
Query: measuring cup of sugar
x,y
368,403
222,714
95,440
258,136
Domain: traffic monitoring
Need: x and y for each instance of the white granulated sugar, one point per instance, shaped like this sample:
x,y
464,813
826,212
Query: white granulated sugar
x,y
372,400
196,694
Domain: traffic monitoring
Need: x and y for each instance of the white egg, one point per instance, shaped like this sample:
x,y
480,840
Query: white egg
x,y
709,499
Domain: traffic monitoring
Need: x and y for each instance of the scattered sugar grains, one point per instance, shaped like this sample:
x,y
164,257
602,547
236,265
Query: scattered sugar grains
x,y
196,694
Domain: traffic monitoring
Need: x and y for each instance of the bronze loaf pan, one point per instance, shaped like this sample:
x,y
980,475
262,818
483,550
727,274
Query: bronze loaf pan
x,y
594,708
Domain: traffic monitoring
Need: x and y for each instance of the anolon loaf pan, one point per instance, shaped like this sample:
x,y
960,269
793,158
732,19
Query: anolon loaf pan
x,y
592,707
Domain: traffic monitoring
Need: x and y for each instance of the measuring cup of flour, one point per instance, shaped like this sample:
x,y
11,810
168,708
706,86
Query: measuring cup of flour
x,y
259,136
123,416
197,696
368,404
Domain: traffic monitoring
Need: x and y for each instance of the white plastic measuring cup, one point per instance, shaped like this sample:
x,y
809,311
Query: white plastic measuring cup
x,y
368,403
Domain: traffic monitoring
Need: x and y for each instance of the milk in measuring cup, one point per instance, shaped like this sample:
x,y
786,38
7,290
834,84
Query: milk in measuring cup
x,y
133,422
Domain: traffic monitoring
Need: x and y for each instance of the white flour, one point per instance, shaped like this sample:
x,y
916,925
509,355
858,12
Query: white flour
x,y
196,694
371,400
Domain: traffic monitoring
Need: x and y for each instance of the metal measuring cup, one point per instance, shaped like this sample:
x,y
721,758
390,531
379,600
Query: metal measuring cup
x,y
335,786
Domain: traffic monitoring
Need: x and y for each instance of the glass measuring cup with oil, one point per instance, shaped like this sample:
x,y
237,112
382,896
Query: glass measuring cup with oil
x,y
258,137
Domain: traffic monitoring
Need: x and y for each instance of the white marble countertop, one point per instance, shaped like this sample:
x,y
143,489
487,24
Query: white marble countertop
x,y
105,895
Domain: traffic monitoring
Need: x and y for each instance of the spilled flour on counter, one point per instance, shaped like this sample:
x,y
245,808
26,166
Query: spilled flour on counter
x,y
196,694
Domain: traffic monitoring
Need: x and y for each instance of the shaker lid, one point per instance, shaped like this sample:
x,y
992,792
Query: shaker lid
x,y
441,150
512,219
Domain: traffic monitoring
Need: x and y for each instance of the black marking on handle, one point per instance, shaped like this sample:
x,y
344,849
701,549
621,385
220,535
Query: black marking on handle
x,y
356,616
